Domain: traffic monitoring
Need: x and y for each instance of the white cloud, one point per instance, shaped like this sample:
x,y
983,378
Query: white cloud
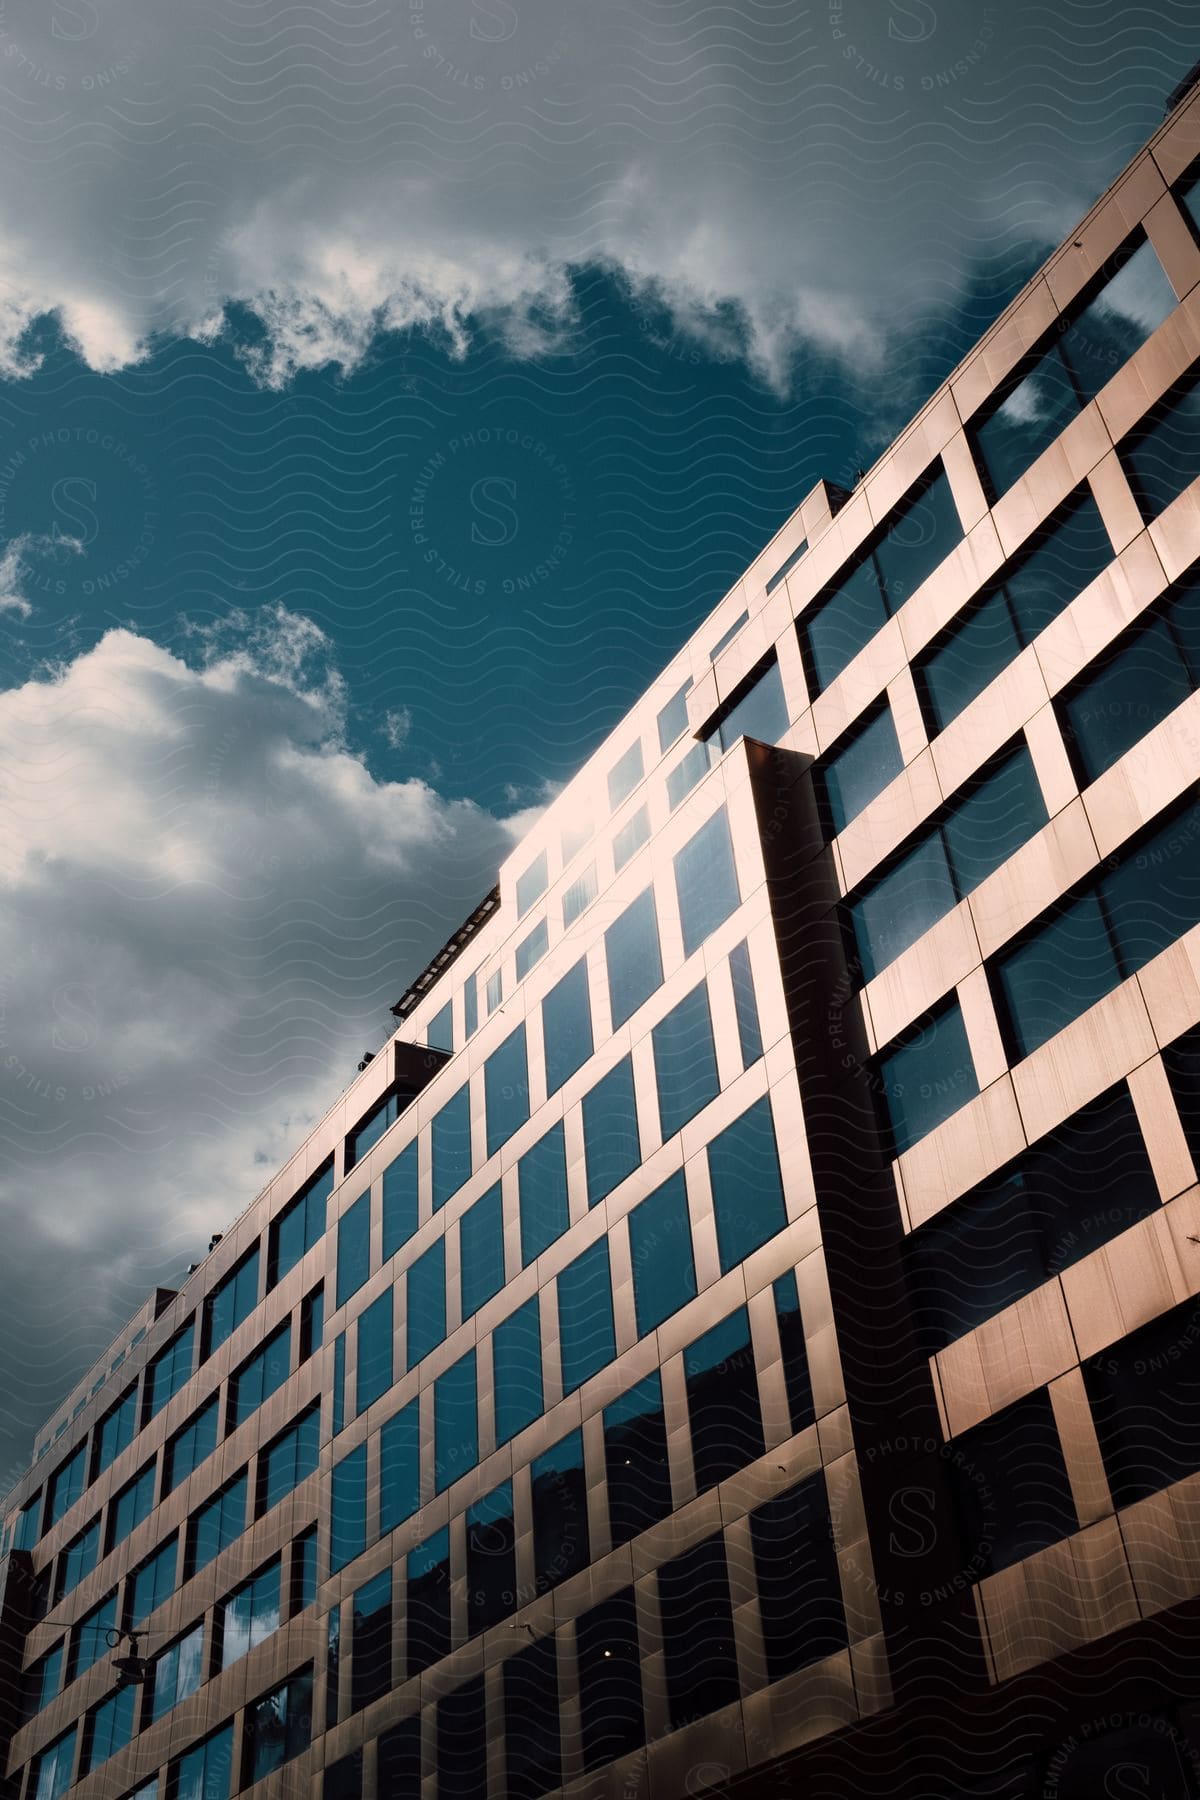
x,y
209,904
775,176
396,727
15,563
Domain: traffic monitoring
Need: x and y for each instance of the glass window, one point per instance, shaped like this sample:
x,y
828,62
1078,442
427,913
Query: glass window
x,y
992,817
532,884
495,990
260,1376
43,1680
353,1248
632,957
517,1370
217,1523
170,1370
371,1661
1182,1062
747,1188
785,569
471,1005
533,1762
608,1658
375,1374
900,906
926,1076
612,1148
343,1779
567,1027
79,1558
89,1640
116,1431
231,1302
455,1430
300,1225
312,1323
153,1583
427,1601
250,1614
706,881
629,840
1153,895
178,1672
578,829
1010,1485
977,647
532,949
861,766
672,720
761,712
559,1498
1065,967
685,1061
579,896
333,1666
697,1626
635,1460
688,773
585,1316
745,1004
278,1727
290,1459
338,1407
1070,1192
439,1033
1163,456
542,1189
1145,1404
426,1303
400,1200
1062,556
726,638
1144,677
506,1089
52,1771
206,1771
491,1559
481,1251
796,1572
348,1509
450,1141
660,1248
462,1743
304,1571
400,1467
794,1351
25,1533
624,775
723,1404
398,1760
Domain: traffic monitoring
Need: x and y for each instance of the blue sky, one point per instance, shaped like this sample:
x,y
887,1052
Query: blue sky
x,y
388,391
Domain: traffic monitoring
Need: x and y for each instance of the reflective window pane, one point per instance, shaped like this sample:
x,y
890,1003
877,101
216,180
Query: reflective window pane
x,y
481,1251
455,1428
861,766
723,1404
747,1188
400,1200
612,1149
517,1370
585,1316
927,1075
542,1190
635,1460
426,1303
374,1352
1056,974
762,711
660,1247
400,1467
624,775
353,1248
450,1140
632,957
506,1090
685,1061
567,1027
706,884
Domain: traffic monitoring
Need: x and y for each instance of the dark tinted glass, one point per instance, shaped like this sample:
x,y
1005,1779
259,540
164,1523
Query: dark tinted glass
x,y
1125,698
697,1623
532,884
635,1457
135,1502
371,1659
531,950
672,720
860,767
290,1459
353,1248
218,1522
567,1027
836,629
532,1759
300,1225
900,906
927,1076
116,1430
168,1372
611,1718
517,1370
374,1351
462,1743
506,1089
688,772
632,957
685,1061
1145,1398
992,817
1035,412
348,1509
400,1467
481,1251
1163,456
1182,1061
585,1316
1010,1485
1064,555
747,1188
660,1247
796,1569
624,776
439,1033
278,1727
794,1351
612,1148
450,1141
427,1602
260,1376
426,1325
921,533
68,1483
371,1127
970,657
560,1528
455,1429
1056,974
761,712
632,835
542,1188
400,1202
491,1559
723,1404
706,884
399,1760
1153,896
745,1004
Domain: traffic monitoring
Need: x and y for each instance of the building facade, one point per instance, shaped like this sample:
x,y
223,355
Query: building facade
x,y
743,1332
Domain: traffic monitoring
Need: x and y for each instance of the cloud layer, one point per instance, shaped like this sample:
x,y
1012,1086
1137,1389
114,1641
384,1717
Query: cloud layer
x,y
208,905
776,174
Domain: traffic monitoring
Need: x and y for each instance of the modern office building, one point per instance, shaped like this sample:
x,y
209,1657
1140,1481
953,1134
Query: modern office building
x,y
743,1332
